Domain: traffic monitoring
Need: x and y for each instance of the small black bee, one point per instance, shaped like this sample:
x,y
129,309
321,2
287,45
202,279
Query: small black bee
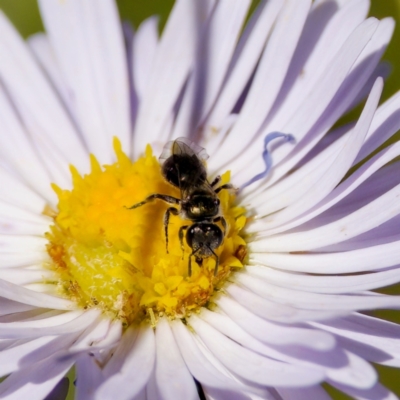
x,y
183,167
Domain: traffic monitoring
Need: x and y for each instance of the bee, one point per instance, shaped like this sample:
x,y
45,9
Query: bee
x,y
182,165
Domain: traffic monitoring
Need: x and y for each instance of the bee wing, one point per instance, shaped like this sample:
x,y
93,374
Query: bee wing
x,y
183,146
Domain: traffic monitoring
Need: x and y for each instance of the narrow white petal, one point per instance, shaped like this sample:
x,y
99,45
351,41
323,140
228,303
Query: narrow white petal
x,y
25,162
173,379
369,51
41,47
359,375
272,310
370,331
44,116
334,91
249,365
270,74
384,125
201,368
174,57
316,301
23,295
314,392
301,122
313,45
99,335
364,219
10,359
11,225
88,42
11,259
367,171
90,377
244,60
23,276
145,44
24,354
328,284
269,332
138,362
11,307
376,392
371,258
74,321
18,193
34,382
335,169
218,42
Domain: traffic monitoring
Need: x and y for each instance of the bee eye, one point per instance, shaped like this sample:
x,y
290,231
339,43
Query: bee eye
x,y
216,202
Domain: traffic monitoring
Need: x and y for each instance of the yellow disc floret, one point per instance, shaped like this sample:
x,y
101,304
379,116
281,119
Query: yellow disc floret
x,y
113,258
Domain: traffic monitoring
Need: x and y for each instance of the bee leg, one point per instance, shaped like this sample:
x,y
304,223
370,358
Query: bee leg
x,y
181,229
170,210
223,222
226,186
164,197
216,181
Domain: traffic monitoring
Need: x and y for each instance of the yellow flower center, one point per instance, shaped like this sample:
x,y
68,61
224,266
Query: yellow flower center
x,y
110,257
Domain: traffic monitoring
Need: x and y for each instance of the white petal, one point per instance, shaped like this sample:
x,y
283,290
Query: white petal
x,y
244,60
25,162
173,379
145,44
23,276
44,116
201,368
11,307
269,309
366,172
316,301
74,321
41,47
174,57
364,219
23,295
269,76
314,392
19,194
336,28
100,335
90,377
34,382
367,330
272,333
334,170
384,125
328,284
249,365
218,42
11,259
137,361
14,358
326,102
376,392
88,42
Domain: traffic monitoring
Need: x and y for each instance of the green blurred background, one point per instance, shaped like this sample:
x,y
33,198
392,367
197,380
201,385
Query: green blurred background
x,y
25,16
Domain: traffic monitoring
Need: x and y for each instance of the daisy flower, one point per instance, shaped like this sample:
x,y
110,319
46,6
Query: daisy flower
x,y
95,275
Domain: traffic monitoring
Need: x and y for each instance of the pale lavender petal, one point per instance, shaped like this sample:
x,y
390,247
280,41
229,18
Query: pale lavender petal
x,y
88,42
138,361
249,365
173,378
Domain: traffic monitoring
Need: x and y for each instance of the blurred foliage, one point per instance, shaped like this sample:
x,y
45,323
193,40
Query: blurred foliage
x,y
25,16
